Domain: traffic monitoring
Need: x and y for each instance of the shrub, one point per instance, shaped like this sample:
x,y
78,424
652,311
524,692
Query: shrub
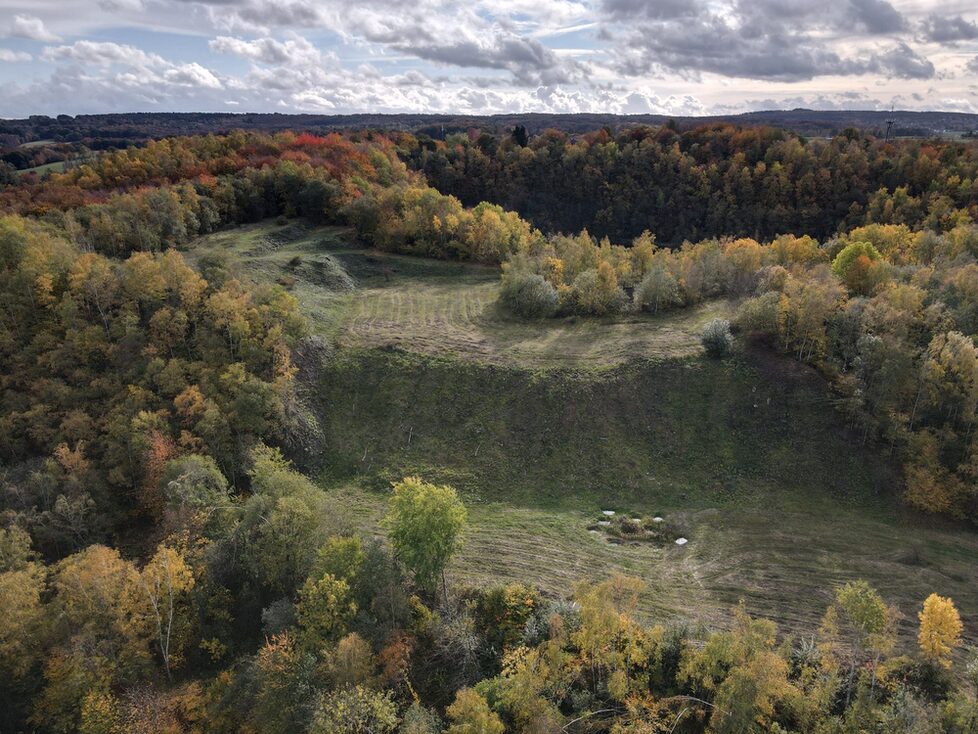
x,y
355,710
529,295
659,289
853,264
759,314
596,292
419,720
470,714
717,339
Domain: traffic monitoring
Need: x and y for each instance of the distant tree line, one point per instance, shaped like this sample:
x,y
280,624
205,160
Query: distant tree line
x,y
710,181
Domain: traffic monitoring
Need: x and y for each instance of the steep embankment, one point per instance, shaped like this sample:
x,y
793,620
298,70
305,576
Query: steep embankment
x,y
780,502
648,432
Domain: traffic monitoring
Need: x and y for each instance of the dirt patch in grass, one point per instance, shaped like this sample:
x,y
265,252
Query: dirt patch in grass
x,y
648,529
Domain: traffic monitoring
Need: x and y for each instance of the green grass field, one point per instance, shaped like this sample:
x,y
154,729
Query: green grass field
x,y
57,166
542,426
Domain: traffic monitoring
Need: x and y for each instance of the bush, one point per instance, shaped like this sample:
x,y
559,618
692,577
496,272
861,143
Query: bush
x,y
759,314
419,720
356,709
659,289
717,339
596,292
529,295
853,264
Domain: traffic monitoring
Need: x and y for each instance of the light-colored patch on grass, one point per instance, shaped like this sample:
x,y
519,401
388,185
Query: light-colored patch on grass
x,y
35,144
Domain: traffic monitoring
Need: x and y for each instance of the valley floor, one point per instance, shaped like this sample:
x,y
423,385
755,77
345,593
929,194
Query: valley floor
x,y
542,426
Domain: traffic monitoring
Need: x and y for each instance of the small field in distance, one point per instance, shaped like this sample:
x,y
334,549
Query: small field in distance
x,y
57,167
542,426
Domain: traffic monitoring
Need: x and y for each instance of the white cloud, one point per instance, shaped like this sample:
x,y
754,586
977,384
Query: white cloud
x,y
116,5
672,57
296,50
32,27
102,53
8,56
192,75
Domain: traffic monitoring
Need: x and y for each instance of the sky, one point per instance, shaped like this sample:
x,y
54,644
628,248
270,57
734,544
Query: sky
x,y
675,57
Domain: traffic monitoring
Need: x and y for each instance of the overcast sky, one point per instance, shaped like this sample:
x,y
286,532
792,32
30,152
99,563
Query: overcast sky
x,y
677,57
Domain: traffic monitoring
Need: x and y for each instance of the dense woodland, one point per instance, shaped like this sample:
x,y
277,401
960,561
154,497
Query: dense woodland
x,y
165,567
709,181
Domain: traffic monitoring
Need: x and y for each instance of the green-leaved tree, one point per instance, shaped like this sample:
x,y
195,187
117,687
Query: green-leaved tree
x,y
425,523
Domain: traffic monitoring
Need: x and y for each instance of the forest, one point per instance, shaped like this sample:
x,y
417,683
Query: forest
x,y
709,181
169,561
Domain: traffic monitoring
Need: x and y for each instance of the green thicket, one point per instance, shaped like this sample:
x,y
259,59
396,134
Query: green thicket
x,y
112,367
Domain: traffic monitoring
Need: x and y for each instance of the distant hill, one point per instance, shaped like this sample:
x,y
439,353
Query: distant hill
x,y
115,130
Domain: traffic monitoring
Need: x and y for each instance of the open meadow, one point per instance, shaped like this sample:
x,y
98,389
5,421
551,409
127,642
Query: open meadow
x,y
543,426
371,299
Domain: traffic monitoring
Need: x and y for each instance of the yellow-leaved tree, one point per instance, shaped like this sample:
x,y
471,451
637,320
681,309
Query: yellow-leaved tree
x,y
940,629
161,600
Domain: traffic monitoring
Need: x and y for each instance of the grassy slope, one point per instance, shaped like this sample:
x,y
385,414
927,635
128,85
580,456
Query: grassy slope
x,y
541,426
780,506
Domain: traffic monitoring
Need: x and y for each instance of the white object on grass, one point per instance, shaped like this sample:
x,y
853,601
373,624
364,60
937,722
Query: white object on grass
x,y
681,541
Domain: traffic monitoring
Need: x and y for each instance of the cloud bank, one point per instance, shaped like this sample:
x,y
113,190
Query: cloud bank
x,y
620,56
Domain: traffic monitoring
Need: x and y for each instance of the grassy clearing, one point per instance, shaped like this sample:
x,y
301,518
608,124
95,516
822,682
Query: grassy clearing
x,y
440,308
57,166
264,254
783,565
543,425
447,319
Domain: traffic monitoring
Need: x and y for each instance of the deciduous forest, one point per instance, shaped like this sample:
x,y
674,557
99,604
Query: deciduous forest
x,y
177,553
